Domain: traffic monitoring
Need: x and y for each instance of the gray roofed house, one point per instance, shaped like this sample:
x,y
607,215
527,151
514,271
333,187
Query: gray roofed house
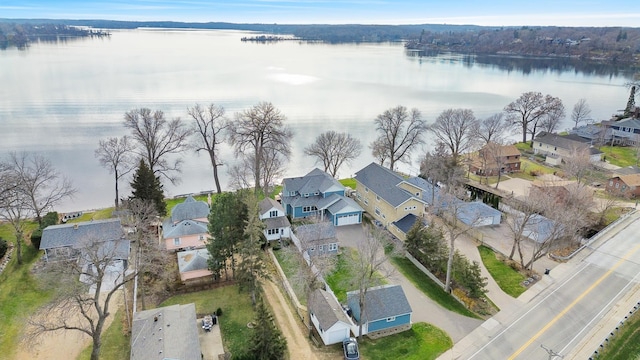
x,y
386,307
557,146
328,318
429,192
65,240
189,209
317,239
193,264
169,332
628,170
383,182
275,219
184,228
478,214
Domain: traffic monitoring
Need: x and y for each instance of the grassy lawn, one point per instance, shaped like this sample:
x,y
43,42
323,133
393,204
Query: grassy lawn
x,y
626,344
237,312
508,279
350,182
115,345
429,287
173,202
20,296
343,277
619,155
94,215
528,167
423,342
290,260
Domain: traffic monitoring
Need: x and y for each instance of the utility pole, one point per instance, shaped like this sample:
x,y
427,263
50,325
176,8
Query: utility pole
x,y
552,354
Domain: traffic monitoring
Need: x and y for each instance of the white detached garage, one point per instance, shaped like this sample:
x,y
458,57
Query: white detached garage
x,y
328,318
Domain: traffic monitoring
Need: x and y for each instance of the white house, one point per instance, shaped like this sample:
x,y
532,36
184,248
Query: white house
x,y
275,219
328,318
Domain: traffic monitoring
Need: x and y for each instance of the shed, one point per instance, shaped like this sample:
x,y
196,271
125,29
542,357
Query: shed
x,y
328,318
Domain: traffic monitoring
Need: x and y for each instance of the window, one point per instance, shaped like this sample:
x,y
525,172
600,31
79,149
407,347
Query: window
x,y
273,231
366,201
377,198
321,248
610,182
366,189
418,194
377,211
273,213
201,238
309,208
617,185
333,247
390,319
176,241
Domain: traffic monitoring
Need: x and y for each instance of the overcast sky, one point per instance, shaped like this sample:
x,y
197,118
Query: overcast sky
x,y
477,12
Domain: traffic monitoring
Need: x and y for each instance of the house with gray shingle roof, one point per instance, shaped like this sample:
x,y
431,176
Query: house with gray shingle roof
x,y
66,241
386,308
328,317
407,222
169,332
388,197
276,221
320,195
317,239
193,264
625,131
187,227
558,146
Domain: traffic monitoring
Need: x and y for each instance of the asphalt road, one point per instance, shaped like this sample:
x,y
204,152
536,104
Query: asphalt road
x,y
560,316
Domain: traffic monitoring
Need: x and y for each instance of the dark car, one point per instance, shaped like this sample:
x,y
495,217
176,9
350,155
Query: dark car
x,y
350,347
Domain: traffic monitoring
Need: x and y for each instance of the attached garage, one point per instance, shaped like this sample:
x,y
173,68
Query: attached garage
x,y
348,219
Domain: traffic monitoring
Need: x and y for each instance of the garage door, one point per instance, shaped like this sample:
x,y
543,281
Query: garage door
x,y
348,219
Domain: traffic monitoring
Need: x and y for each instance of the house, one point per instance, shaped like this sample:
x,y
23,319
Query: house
x,y
319,194
625,131
388,197
558,146
596,134
628,170
386,308
494,158
193,265
625,185
275,219
187,227
66,241
541,229
477,213
328,318
317,239
169,332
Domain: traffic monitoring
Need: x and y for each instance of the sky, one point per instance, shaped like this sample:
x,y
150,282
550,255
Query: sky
x,y
476,12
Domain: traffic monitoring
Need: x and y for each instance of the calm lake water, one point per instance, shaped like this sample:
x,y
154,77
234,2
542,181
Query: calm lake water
x,y
61,99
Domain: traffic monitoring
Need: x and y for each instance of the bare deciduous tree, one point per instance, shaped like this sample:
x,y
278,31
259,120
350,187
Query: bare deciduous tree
x,y
578,164
581,113
334,149
13,209
209,126
399,132
83,305
116,154
369,266
157,139
258,131
455,129
491,129
437,166
551,120
526,111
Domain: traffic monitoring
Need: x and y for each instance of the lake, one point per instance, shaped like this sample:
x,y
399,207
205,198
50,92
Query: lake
x,y
60,99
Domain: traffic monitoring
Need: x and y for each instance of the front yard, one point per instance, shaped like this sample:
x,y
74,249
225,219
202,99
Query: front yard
x,y
422,342
509,280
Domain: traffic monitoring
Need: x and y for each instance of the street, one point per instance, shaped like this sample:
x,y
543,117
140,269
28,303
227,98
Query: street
x,y
583,293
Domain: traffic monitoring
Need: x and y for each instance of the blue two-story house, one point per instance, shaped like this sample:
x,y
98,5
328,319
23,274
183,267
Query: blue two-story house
x,y
319,194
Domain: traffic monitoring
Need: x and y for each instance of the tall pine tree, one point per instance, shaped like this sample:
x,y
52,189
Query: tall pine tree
x,y
147,187
267,342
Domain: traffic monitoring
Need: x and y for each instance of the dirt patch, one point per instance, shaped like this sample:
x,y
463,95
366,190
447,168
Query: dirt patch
x,y
63,344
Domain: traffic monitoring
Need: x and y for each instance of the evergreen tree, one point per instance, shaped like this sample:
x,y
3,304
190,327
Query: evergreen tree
x,y
227,220
147,187
252,269
267,342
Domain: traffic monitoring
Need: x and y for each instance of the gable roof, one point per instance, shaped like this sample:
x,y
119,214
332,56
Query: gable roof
x,y
342,205
70,234
382,302
267,204
384,183
562,141
406,223
189,209
276,222
429,192
503,150
628,122
169,332
316,232
183,228
632,169
470,212
326,308
541,227
631,180
193,260
315,181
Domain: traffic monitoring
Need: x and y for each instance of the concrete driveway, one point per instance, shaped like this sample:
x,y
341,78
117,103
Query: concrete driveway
x,y
424,309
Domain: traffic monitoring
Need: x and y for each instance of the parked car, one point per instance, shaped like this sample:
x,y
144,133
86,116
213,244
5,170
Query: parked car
x,y
350,347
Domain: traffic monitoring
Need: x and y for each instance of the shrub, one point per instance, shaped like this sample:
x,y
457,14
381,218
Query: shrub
x,y
36,237
3,247
218,312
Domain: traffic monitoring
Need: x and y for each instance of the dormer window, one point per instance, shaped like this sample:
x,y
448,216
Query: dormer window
x,y
273,213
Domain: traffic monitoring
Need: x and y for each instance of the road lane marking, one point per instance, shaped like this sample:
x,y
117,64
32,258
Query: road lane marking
x,y
584,265
574,302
